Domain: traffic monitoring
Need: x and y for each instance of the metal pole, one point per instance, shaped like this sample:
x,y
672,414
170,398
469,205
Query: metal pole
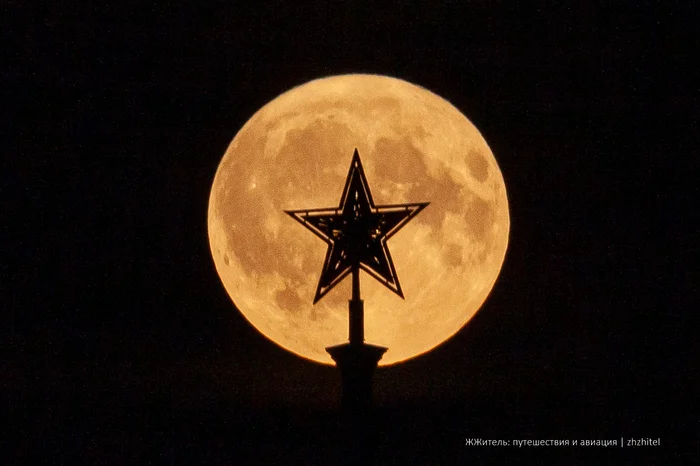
x,y
355,283
357,311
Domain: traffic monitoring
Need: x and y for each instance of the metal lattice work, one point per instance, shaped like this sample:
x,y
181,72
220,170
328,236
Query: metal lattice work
x,y
356,233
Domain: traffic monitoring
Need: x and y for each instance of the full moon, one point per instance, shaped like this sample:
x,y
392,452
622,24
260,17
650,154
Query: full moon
x,y
295,152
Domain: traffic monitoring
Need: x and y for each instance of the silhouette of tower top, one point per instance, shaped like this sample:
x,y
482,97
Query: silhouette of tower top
x,y
356,233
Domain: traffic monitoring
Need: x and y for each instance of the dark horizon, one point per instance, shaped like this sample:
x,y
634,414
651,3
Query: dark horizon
x,y
123,345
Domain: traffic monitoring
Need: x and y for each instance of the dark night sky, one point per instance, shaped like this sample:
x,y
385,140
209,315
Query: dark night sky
x,y
123,345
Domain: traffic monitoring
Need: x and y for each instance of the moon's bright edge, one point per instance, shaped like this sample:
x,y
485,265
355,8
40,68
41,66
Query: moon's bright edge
x,y
295,152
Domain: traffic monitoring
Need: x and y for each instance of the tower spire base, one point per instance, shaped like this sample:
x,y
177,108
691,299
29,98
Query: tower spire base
x,y
356,363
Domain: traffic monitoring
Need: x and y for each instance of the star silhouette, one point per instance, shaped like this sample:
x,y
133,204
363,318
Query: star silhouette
x,y
356,232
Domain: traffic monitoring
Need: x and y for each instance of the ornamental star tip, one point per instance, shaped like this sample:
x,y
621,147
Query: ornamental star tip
x,y
356,232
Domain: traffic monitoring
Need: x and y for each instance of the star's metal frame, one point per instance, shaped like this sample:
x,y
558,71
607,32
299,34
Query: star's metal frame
x,y
356,233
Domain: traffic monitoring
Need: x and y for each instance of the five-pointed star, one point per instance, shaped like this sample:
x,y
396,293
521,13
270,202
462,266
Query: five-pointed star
x,y
356,232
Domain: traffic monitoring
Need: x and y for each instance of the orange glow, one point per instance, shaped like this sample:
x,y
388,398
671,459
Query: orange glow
x,y
295,152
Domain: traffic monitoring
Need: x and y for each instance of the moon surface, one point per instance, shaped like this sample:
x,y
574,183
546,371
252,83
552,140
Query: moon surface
x,y
295,152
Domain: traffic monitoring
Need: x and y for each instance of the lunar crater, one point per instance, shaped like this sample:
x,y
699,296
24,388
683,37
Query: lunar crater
x,y
478,166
